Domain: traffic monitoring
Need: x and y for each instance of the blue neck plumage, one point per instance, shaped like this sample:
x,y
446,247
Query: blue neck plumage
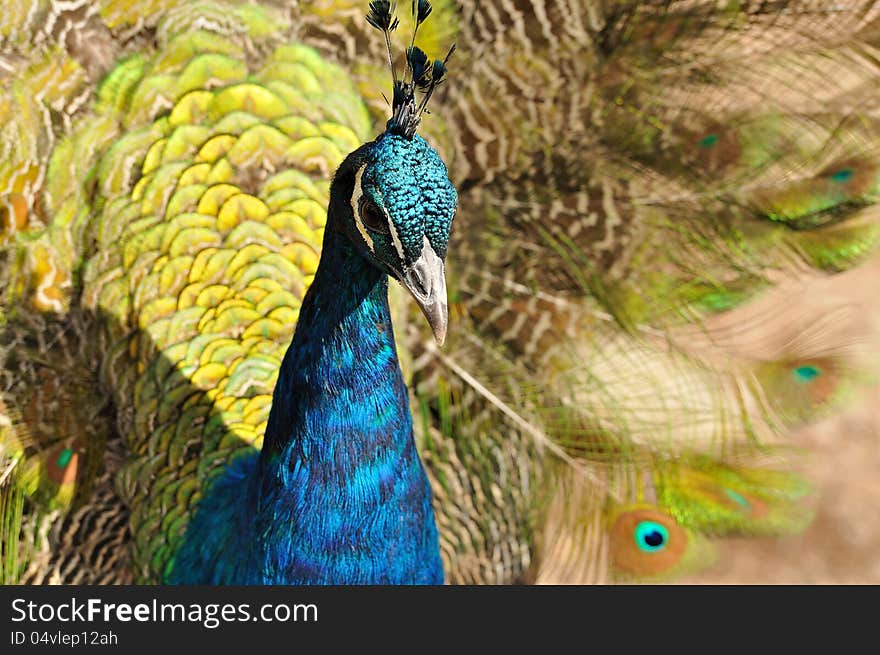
x,y
340,492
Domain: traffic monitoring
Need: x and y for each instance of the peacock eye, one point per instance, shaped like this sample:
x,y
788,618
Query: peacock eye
x,y
372,217
651,536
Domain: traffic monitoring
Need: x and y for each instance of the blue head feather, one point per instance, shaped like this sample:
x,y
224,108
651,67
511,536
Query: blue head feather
x,y
408,181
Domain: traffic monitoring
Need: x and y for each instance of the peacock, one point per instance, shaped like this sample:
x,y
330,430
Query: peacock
x,y
657,204
338,464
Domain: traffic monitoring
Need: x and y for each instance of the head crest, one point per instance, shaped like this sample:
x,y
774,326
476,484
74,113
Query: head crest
x,y
420,74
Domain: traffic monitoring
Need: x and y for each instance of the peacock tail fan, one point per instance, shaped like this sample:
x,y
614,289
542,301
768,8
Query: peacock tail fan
x,y
699,416
655,202
673,155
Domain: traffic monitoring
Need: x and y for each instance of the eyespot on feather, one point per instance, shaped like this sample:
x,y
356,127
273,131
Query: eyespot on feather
x,y
646,541
819,375
62,463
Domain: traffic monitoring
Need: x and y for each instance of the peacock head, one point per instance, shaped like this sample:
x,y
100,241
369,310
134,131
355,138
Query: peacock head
x,y
400,202
398,214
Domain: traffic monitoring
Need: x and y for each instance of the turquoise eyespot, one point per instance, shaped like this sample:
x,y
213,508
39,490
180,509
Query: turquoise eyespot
x,y
62,463
708,141
806,373
843,175
64,458
651,536
738,499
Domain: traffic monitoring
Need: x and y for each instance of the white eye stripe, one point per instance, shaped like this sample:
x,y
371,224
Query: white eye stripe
x,y
355,209
395,239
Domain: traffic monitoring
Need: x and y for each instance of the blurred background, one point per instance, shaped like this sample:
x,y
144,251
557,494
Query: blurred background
x,y
842,463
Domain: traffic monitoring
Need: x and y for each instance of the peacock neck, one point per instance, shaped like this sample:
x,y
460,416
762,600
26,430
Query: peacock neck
x,y
341,364
338,456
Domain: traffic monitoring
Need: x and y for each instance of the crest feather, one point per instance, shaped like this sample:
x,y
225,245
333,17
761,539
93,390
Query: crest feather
x,y
421,73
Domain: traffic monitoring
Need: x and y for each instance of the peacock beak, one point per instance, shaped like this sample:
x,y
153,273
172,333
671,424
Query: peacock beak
x,y
426,281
